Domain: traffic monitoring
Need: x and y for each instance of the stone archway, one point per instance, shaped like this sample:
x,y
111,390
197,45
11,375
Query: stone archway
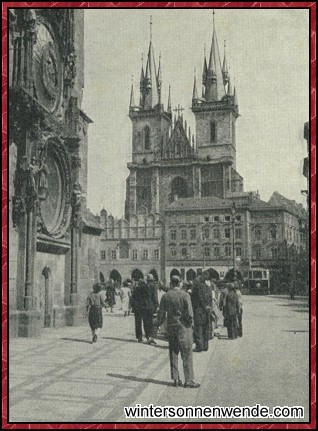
x,y
213,274
175,272
229,276
137,275
179,188
155,274
45,297
115,275
191,275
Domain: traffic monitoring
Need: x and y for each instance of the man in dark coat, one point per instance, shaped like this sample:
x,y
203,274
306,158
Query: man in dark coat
x,y
176,304
202,304
144,301
232,312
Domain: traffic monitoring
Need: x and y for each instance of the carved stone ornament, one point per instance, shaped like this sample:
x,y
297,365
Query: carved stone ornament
x,y
54,190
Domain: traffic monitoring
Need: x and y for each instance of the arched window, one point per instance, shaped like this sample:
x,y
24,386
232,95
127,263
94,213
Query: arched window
x,y
213,132
147,138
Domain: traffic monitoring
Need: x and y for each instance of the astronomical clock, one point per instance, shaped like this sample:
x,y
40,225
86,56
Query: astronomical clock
x,y
47,67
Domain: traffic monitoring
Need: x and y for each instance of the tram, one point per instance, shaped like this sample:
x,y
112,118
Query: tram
x,y
258,281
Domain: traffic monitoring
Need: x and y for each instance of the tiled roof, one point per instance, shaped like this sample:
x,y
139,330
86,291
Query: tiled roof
x,y
279,200
199,203
90,219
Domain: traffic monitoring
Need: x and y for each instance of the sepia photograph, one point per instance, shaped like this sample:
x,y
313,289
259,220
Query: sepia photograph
x,y
158,215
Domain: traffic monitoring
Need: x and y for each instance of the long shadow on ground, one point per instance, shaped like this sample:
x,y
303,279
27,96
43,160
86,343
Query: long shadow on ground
x,y
139,379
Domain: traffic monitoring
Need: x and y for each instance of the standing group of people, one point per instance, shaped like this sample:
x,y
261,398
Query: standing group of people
x,y
186,313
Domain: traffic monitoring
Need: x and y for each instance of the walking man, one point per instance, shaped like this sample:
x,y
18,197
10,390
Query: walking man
x,y
202,306
176,304
232,312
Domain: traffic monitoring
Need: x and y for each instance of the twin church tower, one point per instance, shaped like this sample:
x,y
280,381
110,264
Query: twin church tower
x,y
167,161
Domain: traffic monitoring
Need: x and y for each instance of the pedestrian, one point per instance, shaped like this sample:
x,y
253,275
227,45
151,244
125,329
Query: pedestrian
x,y
176,306
110,294
240,314
202,305
222,303
125,293
292,289
145,304
162,329
94,305
232,312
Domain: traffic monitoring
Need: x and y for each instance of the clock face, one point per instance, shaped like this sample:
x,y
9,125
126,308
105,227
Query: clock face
x,y
47,68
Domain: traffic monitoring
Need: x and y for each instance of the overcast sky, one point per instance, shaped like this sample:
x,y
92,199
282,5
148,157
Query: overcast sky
x,y
267,51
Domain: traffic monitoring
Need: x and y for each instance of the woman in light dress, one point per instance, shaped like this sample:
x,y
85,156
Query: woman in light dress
x,y
125,294
94,305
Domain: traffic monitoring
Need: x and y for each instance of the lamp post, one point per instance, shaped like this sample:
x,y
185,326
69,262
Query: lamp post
x,y
233,240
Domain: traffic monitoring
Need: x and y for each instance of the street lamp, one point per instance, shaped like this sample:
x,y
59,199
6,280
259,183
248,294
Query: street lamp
x,y
233,240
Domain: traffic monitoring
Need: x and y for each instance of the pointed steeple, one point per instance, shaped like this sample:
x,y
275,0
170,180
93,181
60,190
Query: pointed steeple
x,y
169,100
159,78
132,97
230,88
226,76
235,97
195,91
151,87
205,67
214,83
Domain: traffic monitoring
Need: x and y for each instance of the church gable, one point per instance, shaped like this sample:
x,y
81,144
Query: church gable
x,y
178,145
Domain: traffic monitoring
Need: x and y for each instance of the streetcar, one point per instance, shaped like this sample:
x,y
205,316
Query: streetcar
x,y
258,281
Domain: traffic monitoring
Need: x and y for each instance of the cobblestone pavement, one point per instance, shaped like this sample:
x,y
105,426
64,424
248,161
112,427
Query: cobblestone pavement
x,y
62,377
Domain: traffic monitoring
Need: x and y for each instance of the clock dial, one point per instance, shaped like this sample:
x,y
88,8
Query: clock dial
x,y
47,68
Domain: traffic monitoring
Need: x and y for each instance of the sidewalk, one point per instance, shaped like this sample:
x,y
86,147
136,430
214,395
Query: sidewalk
x,y
63,377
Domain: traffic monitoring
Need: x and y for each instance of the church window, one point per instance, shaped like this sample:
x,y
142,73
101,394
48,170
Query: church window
x,y
114,254
193,233
213,132
147,138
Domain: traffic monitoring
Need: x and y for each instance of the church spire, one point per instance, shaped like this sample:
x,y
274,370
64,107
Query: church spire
x,y
169,100
151,87
225,70
214,80
132,97
195,91
235,97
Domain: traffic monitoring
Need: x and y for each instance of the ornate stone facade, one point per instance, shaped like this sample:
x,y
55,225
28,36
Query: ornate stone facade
x,y
48,169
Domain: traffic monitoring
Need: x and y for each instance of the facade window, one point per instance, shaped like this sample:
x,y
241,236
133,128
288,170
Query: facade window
x,y
193,252
134,254
206,218
145,255
114,254
216,251
238,218
213,132
173,234
193,233
183,234
228,250
238,233
173,253
227,233
206,251
238,251
156,254
103,255
257,233
274,252
227,218
184,253
216,233
206,233
216,218
147,138
257,253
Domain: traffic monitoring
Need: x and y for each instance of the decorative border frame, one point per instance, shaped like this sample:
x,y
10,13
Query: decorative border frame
x,y
312,9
